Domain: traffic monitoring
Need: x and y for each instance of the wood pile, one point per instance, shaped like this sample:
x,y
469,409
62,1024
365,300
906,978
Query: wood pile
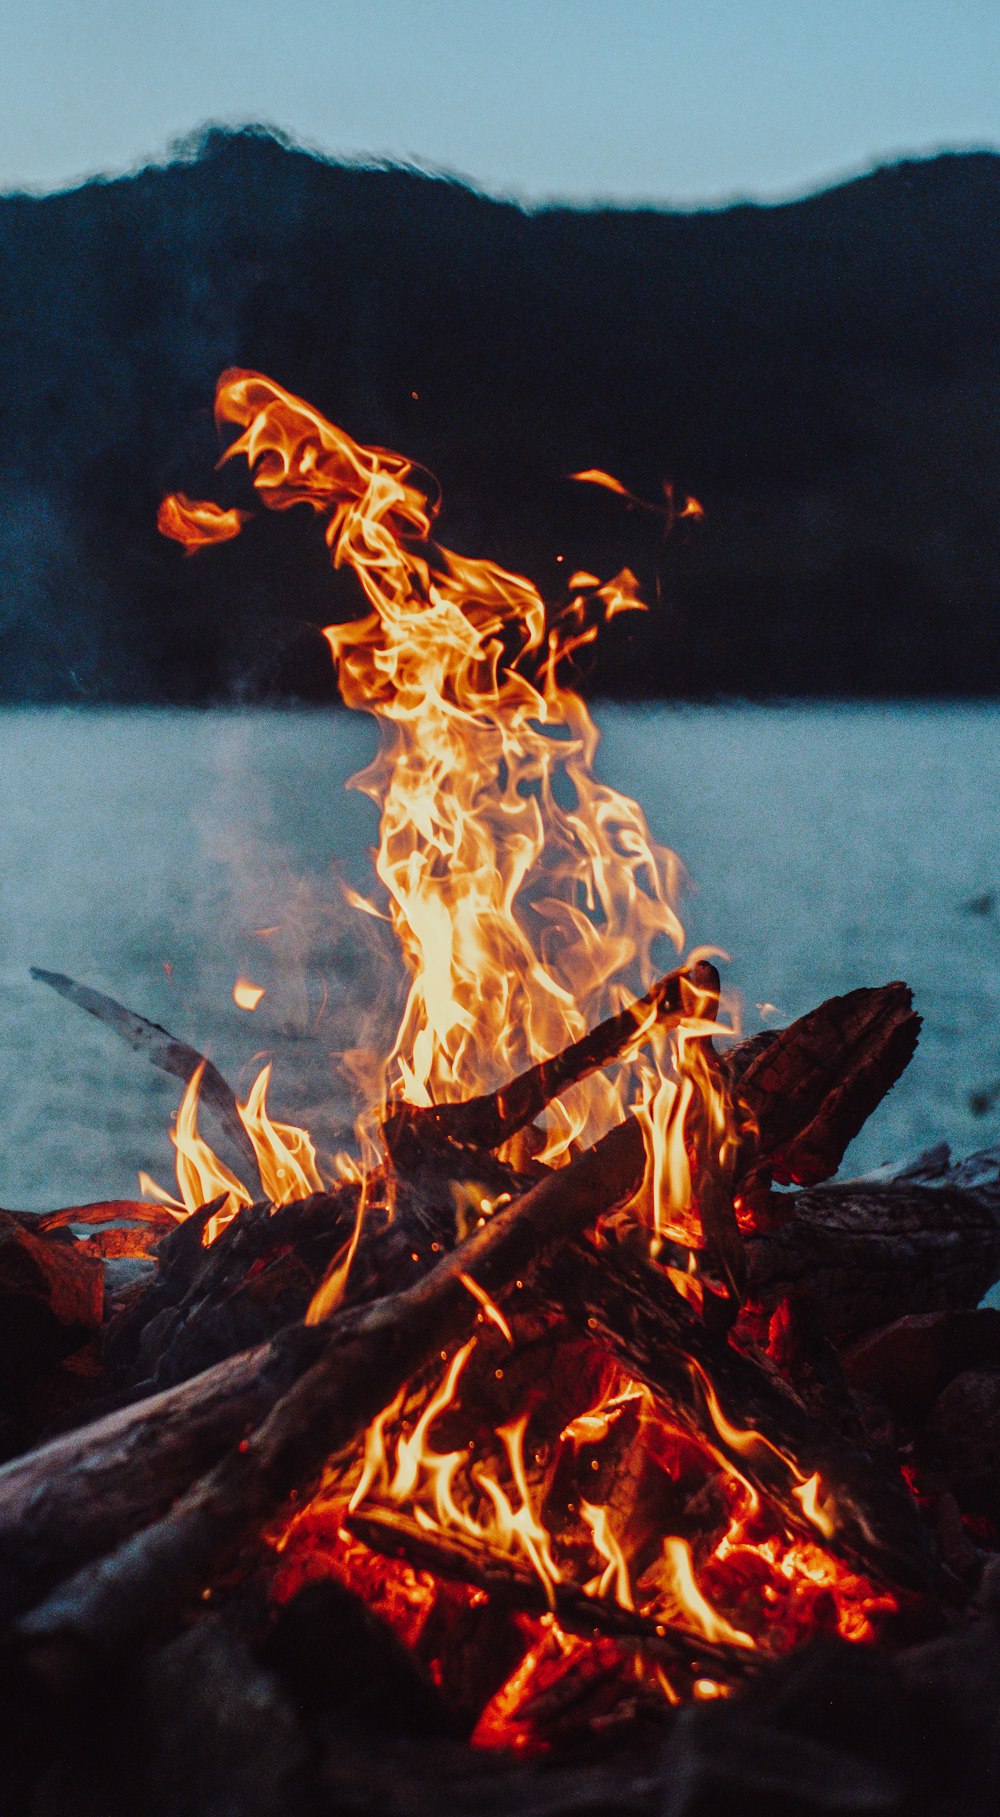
x,y
168,1410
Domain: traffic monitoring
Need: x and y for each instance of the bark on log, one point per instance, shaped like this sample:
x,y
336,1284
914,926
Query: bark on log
x,y
82,1493
810,1087
367,1356
413,1131
868,1251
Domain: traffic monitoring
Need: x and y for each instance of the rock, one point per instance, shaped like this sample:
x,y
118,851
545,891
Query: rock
x,y
908,1363
959,1440
335,1656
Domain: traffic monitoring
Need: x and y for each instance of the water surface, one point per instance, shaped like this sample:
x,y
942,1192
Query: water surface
x,y
828,847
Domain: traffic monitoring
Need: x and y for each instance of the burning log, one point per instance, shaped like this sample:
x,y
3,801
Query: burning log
x,y
367,1356
763,1428
412,1131
449,1555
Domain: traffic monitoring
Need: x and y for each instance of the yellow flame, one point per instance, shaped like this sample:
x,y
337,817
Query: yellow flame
x,y
201,1176
285,1154
528,897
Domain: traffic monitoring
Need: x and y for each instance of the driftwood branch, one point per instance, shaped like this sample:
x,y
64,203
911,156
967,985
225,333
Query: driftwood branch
x,y
163,1050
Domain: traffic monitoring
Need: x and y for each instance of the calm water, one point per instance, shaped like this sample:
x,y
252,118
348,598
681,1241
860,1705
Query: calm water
x,y
828,847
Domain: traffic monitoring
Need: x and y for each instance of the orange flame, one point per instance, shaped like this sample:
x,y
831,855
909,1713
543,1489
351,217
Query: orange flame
x,y
197,523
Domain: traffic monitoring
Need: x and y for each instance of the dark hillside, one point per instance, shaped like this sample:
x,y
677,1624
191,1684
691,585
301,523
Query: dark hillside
x,y
822,375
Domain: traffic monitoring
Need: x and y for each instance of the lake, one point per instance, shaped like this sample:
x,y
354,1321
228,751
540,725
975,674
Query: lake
x,y
828,846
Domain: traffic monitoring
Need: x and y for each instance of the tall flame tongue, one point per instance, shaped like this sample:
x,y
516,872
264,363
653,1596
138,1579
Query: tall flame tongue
x,y
527,896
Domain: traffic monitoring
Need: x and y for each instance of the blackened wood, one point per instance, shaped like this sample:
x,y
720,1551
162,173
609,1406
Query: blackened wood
x,y
868,1251
368,1355
163,1050
809,1088
655,1335
389,1531
412,1130
51,1301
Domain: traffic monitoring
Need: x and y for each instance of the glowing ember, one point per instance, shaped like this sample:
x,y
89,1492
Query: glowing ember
x,y
247,995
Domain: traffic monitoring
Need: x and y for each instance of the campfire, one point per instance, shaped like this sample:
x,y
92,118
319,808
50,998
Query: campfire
x,y
547,1401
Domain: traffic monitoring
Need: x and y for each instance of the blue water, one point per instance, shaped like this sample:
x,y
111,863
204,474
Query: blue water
x,y
828,847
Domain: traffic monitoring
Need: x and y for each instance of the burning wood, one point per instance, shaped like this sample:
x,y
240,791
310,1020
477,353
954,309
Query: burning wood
x,y
544,1372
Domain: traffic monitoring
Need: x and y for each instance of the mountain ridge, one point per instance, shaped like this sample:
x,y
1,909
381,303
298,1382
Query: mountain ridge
x,y
821,373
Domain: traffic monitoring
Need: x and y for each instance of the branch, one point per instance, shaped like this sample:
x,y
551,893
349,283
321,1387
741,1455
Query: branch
x,y
414,1130
163,1050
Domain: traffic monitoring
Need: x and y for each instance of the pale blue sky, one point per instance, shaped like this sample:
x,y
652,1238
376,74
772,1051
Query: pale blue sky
x,y
664,100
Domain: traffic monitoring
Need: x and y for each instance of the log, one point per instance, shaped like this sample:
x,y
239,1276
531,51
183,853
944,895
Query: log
x,y
808,1089
654,1334
367,1355
80,1494
414,1131
516,1586
51,1301
868,1251
163,1050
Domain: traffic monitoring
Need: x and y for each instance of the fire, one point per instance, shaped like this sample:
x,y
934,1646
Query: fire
x,y
530,901
196,525
529,898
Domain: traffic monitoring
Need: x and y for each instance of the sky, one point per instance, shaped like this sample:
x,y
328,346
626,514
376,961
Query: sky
x,y
682,101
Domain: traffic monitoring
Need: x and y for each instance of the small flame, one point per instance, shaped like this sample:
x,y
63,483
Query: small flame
x,y
285,1154
201,1176
490,1311
197,524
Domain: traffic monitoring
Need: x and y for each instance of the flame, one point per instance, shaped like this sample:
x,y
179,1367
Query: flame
x,y
285,1154
197,523
201,1176
247,995
528,897
490,1311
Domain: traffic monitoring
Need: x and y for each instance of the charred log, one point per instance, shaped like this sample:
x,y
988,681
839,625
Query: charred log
x,y
865,1252
413,1132
809,1088
367,1355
